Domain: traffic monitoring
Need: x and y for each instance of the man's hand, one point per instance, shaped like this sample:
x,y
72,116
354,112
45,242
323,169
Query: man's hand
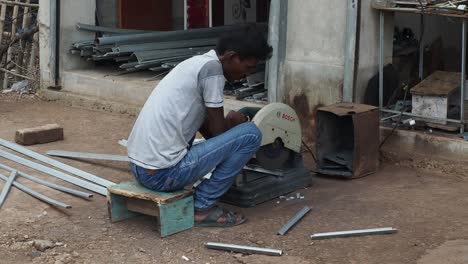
x,y
216,123
234,118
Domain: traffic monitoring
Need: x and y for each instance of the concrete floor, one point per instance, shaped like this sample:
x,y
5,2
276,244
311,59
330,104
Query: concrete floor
x,y
426,202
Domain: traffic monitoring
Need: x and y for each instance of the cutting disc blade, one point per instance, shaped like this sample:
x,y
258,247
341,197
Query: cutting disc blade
x,y
273,156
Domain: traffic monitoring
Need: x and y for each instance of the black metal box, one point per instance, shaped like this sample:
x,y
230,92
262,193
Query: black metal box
x,y
347,140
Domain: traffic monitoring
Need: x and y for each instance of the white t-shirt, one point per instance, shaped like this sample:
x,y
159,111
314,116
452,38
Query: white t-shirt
x,y
175,111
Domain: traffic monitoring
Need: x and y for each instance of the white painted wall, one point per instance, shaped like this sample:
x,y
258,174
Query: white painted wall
x,y
72,12
44,45
313,70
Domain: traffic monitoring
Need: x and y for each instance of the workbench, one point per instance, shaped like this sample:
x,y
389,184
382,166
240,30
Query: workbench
x,y
459,15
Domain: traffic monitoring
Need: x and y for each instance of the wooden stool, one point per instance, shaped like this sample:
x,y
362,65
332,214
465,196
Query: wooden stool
x,y
174,210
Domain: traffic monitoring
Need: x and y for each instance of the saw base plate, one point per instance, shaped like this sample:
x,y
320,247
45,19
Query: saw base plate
x,y
260,187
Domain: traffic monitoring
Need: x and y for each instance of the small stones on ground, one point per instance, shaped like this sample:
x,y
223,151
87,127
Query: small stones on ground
x,y
185,258
277,202
260,242
35,254
44,213
64,259
141,250
42,245
59,244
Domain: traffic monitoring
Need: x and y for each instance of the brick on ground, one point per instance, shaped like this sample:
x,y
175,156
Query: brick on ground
x,y
39,135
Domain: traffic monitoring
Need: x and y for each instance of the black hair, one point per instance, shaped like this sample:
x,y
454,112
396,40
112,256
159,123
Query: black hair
x,y
248,41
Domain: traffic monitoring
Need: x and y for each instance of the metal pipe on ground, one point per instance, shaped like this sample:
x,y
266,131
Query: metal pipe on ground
x,y
37,195
87,155
49,184
85,175
244,249
293,220
351,233
58,174
7,186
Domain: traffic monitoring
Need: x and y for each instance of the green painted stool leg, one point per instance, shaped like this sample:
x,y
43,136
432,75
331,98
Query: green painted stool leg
x,y
118,209
176,216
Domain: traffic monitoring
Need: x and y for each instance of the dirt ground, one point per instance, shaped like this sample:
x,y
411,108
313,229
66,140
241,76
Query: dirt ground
x,y
426,203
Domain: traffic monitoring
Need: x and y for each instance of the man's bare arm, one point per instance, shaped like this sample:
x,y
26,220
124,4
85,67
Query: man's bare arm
x,y
215,122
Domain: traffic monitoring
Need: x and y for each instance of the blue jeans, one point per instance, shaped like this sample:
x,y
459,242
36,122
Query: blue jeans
x,y
226,154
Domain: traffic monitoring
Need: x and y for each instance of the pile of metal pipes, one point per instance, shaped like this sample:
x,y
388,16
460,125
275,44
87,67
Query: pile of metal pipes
x,y
155,51
60,171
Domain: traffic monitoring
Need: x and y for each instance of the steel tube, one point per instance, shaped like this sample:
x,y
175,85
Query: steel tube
x,y
49,184
381,57
7,186
12,3
166,45
351,233
390,117
172,35
421,57
244,249
93,28
85,175
143,56
463,69
37,195
350,50
293,221
87,155
420,116
68,178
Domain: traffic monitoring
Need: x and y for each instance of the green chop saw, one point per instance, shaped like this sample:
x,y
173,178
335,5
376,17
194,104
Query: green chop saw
x,y
277,167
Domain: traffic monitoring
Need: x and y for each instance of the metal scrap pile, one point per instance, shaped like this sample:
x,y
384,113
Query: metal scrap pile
x,y
137,50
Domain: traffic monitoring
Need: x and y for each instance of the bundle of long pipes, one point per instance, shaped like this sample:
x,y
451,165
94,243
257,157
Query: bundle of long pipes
x,y
137,50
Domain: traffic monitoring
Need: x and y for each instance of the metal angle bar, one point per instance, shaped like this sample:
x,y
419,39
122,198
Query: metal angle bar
x,y
85,175
293,220
244,249
63,176
360,232
7,186
37,195
87,155
49,184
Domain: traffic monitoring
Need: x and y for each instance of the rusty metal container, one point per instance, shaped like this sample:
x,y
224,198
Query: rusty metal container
x,y
347,140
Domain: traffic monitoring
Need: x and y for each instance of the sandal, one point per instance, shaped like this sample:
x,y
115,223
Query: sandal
x,y
212,219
